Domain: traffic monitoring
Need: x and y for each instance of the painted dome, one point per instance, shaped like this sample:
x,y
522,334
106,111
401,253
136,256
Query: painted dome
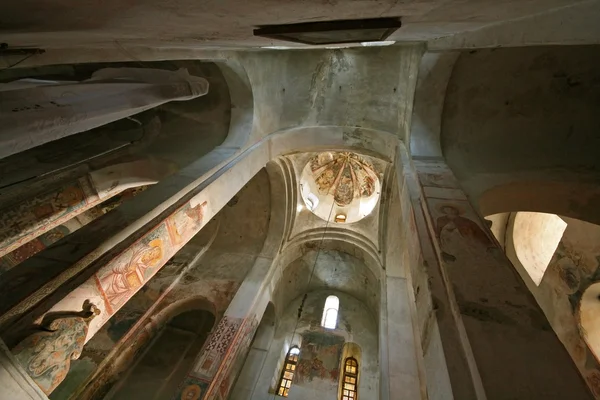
x,y
340,183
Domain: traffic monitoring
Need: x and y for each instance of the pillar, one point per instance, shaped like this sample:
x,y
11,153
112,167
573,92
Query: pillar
x,y
506,344
400,354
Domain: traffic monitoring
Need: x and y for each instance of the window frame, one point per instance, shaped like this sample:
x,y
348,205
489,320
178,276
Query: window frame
x,y
327,308
289,366
351,379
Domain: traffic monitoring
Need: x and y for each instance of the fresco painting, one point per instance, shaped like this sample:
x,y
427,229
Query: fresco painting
x,y
345,175
124,275
235,357
319,358
217,345
35,245
46,355
192,389
30,218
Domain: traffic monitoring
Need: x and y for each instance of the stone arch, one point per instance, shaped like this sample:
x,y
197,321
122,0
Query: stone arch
x,y
356,324
570,199
504,131
340,266
134,344
168,356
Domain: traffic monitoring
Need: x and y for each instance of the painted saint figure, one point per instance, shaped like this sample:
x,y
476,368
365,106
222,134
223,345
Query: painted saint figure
x,y
458,233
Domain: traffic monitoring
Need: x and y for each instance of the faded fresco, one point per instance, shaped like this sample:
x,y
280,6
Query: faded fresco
x,y
221,358
345,175
46,355
458,231
124,275
319,359
52,236
30,218
216,347
489,292
573,268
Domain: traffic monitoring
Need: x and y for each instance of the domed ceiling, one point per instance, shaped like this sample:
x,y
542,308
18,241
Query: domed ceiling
x,y
340,186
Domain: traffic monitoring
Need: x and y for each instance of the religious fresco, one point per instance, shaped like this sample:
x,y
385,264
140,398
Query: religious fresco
x,y
32,217
46,355
221,358
117,281
319,358
216,347
128,272
192,389
52,236
568,275
468,248
345,175
457,229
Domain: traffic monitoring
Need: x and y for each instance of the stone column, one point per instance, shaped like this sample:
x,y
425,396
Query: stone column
x,y
400,356
506,339
225,351
400,370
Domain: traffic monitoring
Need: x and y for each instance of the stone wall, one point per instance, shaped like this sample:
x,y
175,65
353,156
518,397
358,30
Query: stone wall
x,y
356,324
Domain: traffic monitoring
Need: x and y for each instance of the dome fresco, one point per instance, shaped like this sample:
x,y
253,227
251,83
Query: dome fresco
x,y
345,175
335,183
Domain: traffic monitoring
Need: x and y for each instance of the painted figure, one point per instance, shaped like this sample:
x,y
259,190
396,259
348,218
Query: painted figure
x,y
47,355
128,275
453,222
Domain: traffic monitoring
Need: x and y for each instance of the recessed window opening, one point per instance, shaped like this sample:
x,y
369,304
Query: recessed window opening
x,y
536,237
330,312
312,201
350,379
287,374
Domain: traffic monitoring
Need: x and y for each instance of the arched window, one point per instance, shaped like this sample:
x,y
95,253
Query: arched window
x,y
350,379
330,312
287,375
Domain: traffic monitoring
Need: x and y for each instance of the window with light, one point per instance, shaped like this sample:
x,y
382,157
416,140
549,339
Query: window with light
x,y
287,375
350,379
330,312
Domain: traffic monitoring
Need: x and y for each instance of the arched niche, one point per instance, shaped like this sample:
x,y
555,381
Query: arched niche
x,y
535,239
168,358
322,347
319,266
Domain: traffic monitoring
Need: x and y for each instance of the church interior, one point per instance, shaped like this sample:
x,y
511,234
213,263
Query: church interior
x,y
333,200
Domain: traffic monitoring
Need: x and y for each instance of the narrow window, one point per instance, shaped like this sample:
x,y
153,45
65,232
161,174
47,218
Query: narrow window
x,y
330,312
350,381
287,375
